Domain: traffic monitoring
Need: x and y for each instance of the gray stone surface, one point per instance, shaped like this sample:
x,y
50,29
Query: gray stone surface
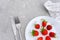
x,y
25,9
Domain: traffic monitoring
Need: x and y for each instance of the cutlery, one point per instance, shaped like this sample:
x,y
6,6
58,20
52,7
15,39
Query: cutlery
x,y
16,25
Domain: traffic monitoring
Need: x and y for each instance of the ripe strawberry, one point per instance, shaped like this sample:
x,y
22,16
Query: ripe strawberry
x,y
47,38
49,27
44,31
35,33
52,34
40,38
44,23
37,26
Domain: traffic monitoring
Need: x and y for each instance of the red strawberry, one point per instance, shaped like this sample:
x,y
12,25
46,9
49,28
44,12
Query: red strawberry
x,y
47,38
44,31
44,23
35,33
49,27
52,34
40,38
37,26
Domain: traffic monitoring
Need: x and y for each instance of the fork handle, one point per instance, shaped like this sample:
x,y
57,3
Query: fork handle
x,y
19,31
17,35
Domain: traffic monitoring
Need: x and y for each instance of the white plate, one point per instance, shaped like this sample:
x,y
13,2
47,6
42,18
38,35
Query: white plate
x,y
30,27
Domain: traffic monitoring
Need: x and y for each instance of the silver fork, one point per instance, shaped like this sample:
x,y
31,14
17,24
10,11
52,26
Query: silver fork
x,y
16,25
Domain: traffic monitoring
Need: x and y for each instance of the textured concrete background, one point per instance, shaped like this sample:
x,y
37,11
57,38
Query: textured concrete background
x,y
25,9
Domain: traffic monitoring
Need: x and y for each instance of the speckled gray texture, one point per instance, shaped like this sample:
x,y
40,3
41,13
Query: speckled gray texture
x,y
22,8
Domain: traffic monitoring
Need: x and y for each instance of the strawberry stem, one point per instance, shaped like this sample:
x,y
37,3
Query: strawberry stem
x,y
33,32
42,29
44,20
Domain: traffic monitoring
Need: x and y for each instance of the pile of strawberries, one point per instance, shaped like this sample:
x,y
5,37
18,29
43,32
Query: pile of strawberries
x,y
44,31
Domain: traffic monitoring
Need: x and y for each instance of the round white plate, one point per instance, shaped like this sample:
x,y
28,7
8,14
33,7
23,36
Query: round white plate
x,y
50,20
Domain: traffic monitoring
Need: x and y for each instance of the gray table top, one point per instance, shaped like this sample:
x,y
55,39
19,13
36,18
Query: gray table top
x,y
27,9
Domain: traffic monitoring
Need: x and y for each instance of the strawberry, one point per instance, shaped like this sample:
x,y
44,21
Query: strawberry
x,y
44,23
37,26
52,34
47,38
49,27
40,38
35,33
44,31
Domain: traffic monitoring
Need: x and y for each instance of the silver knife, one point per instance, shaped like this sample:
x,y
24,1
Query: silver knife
x,y
16,25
